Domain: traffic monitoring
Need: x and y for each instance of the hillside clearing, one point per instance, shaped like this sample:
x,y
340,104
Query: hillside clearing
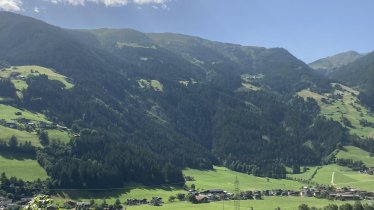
x,y
22,136
355,153
21,167
343,106
19,74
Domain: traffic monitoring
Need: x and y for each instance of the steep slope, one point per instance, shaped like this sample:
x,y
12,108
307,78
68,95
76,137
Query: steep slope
x,y
147,105
359,73
224,63
332,63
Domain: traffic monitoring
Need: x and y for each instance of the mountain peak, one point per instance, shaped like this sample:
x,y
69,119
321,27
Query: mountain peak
x,y
335,61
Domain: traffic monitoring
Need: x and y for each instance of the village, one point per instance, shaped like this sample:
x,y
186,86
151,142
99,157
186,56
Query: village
x,y
204,196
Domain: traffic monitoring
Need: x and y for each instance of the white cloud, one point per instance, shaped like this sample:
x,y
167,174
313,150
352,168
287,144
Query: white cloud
x,y
11,5
150,1
36,10
110,3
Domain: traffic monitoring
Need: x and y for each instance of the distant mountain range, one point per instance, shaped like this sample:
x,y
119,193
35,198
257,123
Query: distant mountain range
x,y
351,68
331,63
147,105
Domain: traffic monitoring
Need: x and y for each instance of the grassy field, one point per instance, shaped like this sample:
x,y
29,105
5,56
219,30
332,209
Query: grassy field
x,y
225,179
220,177
269,203
355,153
22,136
56,134
347,107
339,176
8,114
21,167
26,71
154,84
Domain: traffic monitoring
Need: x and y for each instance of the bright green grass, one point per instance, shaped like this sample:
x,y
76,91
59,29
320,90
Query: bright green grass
x,y
111,195
38,70
344,177
22,136
268,203
356,154
8,114
21,167
324,175
344,107
56,134
223,178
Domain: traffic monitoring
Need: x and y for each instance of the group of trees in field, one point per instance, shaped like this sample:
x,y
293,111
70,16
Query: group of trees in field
x,y
14,188
354,165
12,145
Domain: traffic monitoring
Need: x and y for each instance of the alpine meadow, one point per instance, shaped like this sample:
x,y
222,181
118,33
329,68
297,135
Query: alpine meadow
x,y
111,118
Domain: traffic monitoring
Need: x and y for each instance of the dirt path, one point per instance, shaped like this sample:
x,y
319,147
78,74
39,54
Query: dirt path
x,y
332,178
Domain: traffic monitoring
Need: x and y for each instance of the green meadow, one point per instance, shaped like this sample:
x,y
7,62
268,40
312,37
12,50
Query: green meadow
x,y
62,136
354,153
220,177
223,178
338,176
23,72
268,203
22,136
347,107
8,113
22,167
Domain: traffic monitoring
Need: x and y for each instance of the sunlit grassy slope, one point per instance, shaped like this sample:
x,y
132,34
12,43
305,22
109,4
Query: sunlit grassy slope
x,y
21,167
347,107
354,153
19,74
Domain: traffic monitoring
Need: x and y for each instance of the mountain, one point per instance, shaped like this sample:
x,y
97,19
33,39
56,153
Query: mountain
x,y
144,106
332,63
359,73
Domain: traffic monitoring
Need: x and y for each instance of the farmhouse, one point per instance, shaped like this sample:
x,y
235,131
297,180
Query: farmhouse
x,y
82,205
4,203
156,201
11,125
201,199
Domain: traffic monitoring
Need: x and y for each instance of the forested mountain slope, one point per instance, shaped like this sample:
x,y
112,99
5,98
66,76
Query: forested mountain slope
x,y
147,105
359,73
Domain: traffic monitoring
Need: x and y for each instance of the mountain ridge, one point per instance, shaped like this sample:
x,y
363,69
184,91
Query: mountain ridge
x,y
147,105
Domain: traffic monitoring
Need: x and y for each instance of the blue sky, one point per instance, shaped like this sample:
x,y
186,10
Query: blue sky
x,y
310,29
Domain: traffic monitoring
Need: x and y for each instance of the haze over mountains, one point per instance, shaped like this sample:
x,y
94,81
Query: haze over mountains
x,y
148,105
335,61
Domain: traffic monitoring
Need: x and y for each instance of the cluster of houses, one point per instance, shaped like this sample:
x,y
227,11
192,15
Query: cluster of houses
x,y
369,171
29,124
6,203
156,201
318,192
